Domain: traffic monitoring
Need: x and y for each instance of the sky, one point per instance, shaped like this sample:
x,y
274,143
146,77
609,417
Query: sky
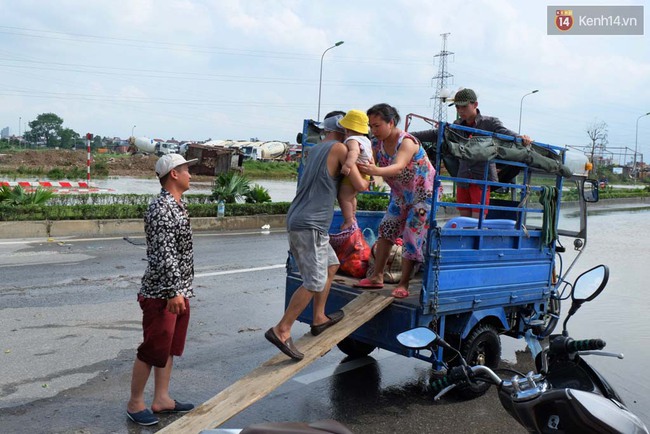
x,y
242,69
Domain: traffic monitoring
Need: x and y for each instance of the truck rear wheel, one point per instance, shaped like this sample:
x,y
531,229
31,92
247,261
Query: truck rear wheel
x,y
354,348
481,347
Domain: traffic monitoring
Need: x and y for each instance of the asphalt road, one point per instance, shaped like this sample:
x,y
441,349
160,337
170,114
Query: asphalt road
x,y
70,324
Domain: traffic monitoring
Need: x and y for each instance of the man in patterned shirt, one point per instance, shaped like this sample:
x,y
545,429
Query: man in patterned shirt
x,y
165,292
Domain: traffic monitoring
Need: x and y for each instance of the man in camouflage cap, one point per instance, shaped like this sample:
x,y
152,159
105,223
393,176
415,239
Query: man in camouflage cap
x,y
469,115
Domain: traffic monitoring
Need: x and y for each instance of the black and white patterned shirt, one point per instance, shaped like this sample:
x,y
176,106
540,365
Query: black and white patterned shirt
x,y
170,255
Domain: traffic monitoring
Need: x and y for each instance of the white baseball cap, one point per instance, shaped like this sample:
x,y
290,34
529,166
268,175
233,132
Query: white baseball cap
x,y
332,124
167,162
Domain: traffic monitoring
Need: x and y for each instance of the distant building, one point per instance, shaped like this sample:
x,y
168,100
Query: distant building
x,y
4,133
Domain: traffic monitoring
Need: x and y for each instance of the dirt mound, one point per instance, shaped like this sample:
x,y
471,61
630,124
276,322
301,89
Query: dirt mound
x,y
47,159
137,165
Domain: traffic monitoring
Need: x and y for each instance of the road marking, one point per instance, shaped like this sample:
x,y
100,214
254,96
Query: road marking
x,y
76,240
331,371
240,270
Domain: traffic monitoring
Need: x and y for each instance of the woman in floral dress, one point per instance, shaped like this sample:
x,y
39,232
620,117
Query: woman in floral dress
x,y
403,164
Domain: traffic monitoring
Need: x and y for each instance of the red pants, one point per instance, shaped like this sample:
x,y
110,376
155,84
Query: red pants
x,y
164,332
472,196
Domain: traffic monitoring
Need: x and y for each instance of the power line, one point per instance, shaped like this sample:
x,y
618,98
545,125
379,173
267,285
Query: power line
x,y
51,35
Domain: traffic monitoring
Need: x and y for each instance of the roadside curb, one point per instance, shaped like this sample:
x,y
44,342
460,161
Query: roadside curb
x,y
98,228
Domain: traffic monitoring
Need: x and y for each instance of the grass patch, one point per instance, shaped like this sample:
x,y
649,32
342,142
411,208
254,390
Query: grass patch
x,y
271,169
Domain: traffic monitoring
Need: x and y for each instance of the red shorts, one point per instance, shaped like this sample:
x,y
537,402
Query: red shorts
x,y
164,332
472,195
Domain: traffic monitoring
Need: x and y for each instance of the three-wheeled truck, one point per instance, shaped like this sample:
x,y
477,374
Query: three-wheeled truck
x,y
482,277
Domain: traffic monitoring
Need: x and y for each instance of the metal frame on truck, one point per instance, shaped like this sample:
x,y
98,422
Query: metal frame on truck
x,y
496,274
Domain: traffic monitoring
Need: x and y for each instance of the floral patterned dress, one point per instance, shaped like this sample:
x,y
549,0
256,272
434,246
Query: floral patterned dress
x,y
411,199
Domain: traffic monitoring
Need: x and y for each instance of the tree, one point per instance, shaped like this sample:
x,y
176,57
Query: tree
x,y
598,133
97,142
68,137
46,127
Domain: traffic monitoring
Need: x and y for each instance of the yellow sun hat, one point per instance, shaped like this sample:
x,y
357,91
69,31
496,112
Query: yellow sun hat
x,y
355,120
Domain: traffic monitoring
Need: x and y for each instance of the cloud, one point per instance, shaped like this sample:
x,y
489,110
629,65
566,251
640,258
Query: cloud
x,y
248,68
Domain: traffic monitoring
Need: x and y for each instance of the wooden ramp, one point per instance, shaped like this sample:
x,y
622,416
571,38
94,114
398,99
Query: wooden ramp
x,y
263,380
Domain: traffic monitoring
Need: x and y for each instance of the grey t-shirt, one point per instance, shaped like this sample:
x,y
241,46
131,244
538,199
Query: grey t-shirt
x,y
313,206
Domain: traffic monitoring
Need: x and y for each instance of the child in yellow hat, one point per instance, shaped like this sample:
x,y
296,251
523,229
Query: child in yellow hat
x,y
355,123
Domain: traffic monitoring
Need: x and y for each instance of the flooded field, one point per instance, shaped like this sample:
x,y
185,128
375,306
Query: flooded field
x,y
618,315
280,191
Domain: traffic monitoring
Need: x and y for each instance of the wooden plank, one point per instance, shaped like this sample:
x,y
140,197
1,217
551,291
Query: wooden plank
x,y
277,370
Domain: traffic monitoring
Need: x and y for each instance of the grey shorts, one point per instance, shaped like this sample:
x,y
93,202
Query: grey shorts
x,y
313,254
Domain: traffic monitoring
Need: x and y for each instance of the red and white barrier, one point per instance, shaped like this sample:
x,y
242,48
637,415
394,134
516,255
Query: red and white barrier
x,y
61,187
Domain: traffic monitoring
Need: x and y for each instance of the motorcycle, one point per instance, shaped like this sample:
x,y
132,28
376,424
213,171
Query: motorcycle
x,y
566,395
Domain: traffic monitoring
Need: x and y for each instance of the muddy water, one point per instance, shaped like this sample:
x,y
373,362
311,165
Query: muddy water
x,y
620,314
280,191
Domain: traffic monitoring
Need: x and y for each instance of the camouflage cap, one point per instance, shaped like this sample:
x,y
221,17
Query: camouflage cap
x,y
464,97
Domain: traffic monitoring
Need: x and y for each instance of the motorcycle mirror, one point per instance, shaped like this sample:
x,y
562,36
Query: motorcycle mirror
x,y
418,338
589,284
585,288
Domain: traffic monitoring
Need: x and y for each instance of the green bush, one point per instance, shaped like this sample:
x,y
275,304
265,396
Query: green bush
x,y
239,209
56,173
120,211
372,202
230,187
258,194
76,173
100,168
18,196
119,199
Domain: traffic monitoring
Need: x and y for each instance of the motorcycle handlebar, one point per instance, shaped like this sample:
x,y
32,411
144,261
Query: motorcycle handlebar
x,y
456,375
585,345
460,374
563,345
440,384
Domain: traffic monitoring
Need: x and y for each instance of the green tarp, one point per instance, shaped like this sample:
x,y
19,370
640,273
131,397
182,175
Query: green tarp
x,y
486,148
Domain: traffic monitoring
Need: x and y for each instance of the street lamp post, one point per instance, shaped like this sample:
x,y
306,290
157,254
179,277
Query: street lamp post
x,y
320,80
636,142
521,104
132,130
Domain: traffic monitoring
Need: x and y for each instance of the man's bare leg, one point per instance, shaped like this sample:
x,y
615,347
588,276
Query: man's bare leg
x,y
299,301
139,377
161,399
320,298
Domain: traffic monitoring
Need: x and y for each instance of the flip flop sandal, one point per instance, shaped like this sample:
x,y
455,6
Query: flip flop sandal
x,y
366,283
400,293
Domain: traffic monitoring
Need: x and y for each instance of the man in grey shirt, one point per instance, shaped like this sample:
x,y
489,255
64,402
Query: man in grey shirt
x,y
469,115
308,222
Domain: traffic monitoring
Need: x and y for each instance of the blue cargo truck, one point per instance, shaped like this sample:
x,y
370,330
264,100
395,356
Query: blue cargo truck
x,y
498,274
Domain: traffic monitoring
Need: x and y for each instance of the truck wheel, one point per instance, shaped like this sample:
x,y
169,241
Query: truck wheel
x,y
481,347
354,348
